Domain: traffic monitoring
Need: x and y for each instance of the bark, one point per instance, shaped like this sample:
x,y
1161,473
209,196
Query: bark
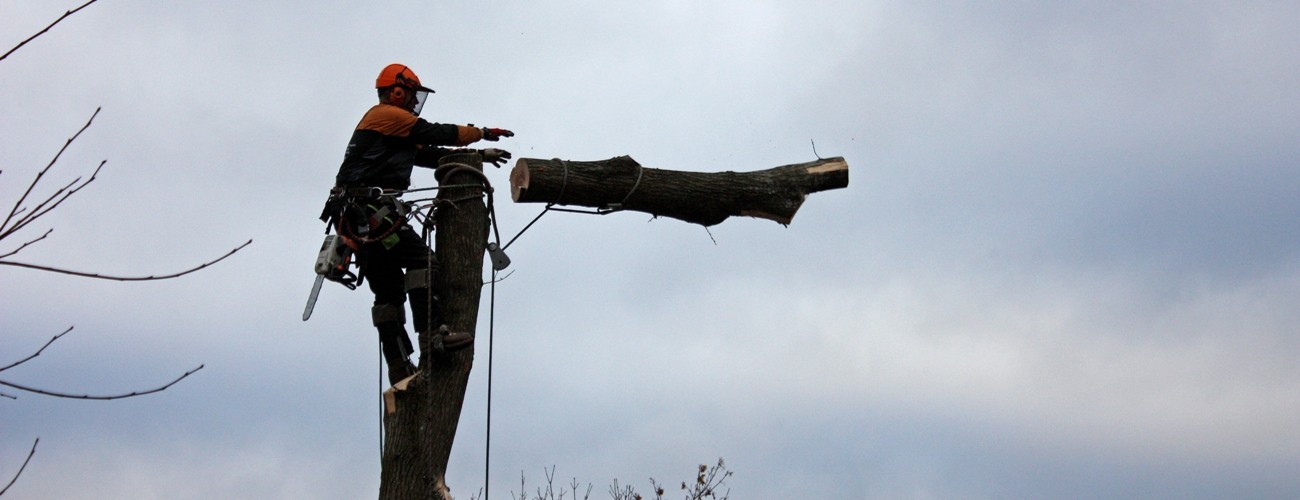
x,y
696,197
420,432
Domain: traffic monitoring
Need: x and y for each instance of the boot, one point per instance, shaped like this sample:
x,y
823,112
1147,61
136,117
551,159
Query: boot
x,y
455,341
443,341
400,370
395,344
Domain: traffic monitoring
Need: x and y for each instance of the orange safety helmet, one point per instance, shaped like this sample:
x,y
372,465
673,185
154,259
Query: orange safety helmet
x,y
399,74
401,80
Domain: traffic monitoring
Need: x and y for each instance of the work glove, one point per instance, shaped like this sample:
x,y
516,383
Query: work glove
x,y
492,134
495,156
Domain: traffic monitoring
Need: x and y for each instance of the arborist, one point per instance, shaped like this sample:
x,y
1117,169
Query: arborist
x,y
365,210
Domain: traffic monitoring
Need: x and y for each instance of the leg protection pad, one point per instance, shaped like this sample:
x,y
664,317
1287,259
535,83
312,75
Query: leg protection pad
x,y
388,313
417,279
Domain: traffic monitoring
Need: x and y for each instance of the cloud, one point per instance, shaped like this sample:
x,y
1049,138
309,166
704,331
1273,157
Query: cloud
x,y
1062,266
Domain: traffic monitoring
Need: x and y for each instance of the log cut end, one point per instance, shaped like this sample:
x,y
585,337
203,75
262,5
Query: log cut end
x,y
519,179
831,165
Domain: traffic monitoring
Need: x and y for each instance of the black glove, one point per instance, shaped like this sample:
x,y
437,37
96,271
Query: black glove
x,y
495,156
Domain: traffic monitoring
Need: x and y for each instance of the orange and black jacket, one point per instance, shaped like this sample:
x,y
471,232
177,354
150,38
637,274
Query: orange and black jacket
x,y
390,141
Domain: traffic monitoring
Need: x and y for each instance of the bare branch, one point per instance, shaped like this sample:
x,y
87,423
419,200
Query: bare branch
x,y
707,482
126,278
100,398
18,205
38,351
47,28
25,245
24,466
59,196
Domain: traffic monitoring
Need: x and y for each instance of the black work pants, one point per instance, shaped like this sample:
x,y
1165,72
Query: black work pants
x,y
385,267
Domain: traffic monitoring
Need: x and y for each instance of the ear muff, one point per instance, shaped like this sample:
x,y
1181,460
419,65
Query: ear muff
x,y
397,95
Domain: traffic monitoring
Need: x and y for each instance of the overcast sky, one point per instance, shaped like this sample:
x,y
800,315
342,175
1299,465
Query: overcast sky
x,y
1066,265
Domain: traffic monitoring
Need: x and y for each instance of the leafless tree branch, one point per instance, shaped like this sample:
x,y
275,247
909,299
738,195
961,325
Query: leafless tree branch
x,y
99,398
29,243
126,278
47,28
58,197
38,351
20,216
20,469
80,396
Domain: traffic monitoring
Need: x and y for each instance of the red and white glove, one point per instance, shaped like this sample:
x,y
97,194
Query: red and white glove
x,y
492,134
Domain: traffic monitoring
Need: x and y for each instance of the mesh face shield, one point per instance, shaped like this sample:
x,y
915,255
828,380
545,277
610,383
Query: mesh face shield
x,y
421,96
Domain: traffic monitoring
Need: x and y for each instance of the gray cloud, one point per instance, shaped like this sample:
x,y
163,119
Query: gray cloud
x,y
1063,267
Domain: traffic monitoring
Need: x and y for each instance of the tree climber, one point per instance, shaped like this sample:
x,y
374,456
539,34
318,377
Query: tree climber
x,y
364,209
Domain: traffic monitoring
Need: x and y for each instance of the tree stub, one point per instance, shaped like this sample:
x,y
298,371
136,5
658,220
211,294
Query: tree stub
x,y
704,198
418,436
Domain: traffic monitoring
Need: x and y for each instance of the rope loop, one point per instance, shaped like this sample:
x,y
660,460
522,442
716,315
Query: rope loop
x,y
614,207
564,183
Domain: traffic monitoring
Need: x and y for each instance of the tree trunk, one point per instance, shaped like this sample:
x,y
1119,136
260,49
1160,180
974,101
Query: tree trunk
x,y
420,432
697,197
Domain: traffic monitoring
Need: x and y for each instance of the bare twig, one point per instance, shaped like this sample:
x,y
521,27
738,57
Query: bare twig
x,y
47,28
38,351
59,196
6,229
100,398
25,245
24,466
627,492
574,484
707,481
126,278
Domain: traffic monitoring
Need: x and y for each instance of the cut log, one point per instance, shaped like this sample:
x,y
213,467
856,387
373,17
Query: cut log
x,y
704,198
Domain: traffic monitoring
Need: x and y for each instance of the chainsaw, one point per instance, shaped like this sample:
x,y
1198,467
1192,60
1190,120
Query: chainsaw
x,y
332,263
